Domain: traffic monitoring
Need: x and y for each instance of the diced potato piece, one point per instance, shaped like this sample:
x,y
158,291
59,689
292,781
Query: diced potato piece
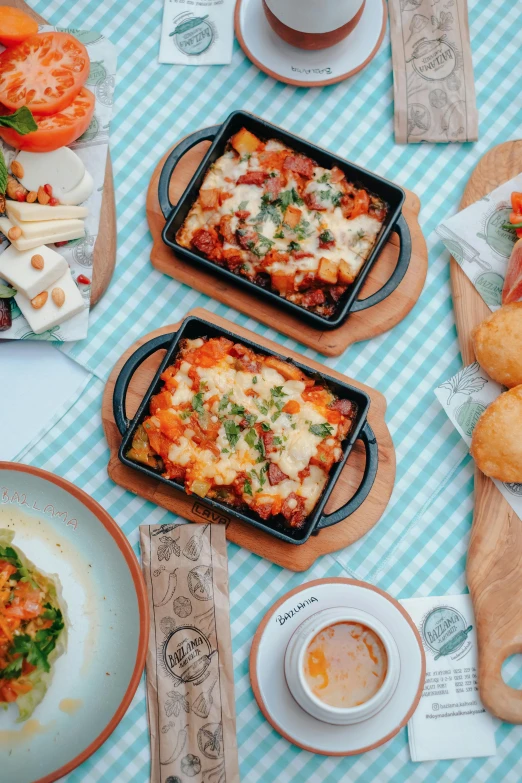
x,y
346,276
327,271
209,199
245,142
283,282
287,370
292,216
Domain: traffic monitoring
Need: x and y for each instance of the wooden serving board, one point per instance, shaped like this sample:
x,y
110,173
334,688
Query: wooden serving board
x,y
104,256
296,558
359,326
494,566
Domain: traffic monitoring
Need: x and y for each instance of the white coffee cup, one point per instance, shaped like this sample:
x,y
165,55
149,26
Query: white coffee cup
x,y
310,24
294,667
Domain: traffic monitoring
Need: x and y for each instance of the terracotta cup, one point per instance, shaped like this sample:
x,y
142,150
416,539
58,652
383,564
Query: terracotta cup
x,y
313,24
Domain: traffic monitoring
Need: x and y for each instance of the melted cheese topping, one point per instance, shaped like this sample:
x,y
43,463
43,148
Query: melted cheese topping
x,y
248,432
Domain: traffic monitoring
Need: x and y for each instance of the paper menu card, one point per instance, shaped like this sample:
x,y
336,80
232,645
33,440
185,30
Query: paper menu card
x,y
464,398
197,32
92,148
480,244
450,721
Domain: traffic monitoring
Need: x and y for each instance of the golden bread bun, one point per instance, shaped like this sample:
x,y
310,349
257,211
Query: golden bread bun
x,y
498,345
496,444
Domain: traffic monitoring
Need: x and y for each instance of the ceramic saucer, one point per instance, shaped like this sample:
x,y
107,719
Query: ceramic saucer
x,y
268,679
308,68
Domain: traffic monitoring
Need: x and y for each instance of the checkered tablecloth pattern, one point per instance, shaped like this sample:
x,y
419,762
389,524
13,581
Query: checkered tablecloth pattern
x,y
419,546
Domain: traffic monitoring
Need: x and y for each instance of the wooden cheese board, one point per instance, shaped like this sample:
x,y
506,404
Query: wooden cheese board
x,y
359,326
104,256
494,566
296,558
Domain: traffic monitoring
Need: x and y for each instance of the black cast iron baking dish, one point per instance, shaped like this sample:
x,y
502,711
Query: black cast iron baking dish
x,y
192,328
219,135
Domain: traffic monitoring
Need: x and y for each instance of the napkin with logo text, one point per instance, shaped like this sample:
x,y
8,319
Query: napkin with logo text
x,y
197,32
450,721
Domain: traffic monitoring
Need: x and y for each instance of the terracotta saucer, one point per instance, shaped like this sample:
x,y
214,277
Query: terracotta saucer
x,y
305,68
268,679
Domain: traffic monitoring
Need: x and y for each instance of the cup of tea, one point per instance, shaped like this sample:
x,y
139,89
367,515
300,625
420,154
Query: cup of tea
x,y
342,665
313,24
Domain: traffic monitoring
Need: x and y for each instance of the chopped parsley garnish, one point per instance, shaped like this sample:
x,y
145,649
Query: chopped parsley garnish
x,y
326,237
262,407
225,451
254,379
277,391
184,415
293,246
329,194
277,441
251,418
321,430
237,410
324,178
36,651
261,476
247,487
251,438
268,211
265,426
279,234
260,446
288,197
232,431
302,230
275,416
224,402
197,403
244,157
242,206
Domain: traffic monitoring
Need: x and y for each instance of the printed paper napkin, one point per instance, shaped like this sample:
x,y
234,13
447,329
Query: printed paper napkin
x,y
450,721
197,33
478,241
464,398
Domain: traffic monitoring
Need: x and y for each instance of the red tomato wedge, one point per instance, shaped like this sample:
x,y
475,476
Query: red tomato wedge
x,y
45,72
512,290
15,25
57,130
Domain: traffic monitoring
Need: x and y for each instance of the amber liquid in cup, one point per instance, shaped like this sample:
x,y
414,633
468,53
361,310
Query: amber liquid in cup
x,y
345,664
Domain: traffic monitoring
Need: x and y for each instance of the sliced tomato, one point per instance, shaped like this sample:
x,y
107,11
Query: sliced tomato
x,y
57,130
361,205
512,290
45,72
15,26
516,202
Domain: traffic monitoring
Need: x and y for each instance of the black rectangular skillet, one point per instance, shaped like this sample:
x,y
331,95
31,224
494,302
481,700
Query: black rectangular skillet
x,y
193,328
219,135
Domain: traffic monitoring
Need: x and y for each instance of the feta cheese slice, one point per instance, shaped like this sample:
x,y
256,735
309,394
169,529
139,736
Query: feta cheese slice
x,y
16,268
25,212
46,228
62,169
50,314
59,235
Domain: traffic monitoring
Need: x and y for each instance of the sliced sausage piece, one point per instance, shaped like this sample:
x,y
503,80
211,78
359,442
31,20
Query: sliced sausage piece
x,y
273,187
226,230
300,165
275,474
253,178
293,510
205,240
343,406
246,239
313,298
246,358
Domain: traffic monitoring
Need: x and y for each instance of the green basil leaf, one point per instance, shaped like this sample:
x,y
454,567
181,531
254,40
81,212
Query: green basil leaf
x,y
3,173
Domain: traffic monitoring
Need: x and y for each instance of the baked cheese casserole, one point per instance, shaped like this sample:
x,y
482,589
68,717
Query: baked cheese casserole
x,y
282,221
249,430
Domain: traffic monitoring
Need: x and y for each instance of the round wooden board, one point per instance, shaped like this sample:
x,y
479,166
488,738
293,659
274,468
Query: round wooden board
x,y
494,566
359,326
104,256
296,558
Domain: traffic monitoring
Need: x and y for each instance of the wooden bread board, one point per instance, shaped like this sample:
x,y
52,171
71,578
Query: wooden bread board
x,y
494,566
296,558
104,255
359,326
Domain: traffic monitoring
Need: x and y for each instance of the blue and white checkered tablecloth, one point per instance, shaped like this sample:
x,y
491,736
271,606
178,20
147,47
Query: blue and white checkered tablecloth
x,y
419,546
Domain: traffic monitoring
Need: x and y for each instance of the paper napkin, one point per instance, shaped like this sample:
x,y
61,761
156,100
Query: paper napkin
x,y
450,721
464,398
197,32
478,241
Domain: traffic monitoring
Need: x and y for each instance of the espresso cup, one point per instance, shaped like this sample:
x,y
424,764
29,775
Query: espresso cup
x,y
313,24
295,667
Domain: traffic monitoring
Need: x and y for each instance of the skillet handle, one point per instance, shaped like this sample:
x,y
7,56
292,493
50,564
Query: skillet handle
x,y
370,471
207,134
127,371
403,262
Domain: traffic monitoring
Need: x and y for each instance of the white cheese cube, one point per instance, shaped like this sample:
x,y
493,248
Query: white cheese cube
x,y
46,228
29,213
62,169
58,235
50,314
80,193
16,268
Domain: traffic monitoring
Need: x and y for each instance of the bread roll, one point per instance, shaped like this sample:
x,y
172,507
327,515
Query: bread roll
x,y
496,444
498,345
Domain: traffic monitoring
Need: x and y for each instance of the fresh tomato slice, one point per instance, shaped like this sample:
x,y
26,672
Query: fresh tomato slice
x,y
362,203
56,130
512,290
516,202
45,72
15,26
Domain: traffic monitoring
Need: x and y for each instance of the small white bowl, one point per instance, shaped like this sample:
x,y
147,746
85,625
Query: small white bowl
x,y
294,667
